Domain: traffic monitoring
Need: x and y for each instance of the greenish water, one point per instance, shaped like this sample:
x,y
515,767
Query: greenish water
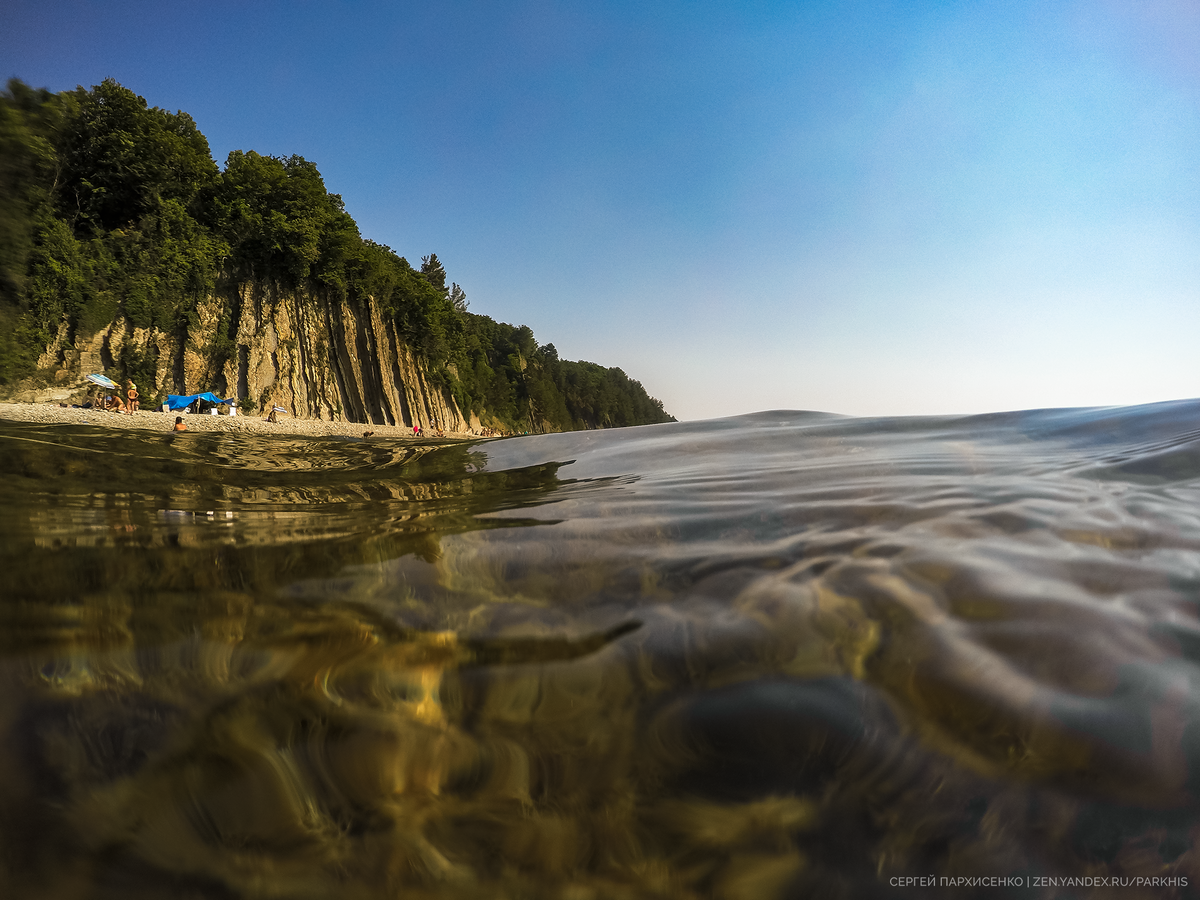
x,y
784,655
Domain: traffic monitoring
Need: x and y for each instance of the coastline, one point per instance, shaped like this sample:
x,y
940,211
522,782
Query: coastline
x,y
154,420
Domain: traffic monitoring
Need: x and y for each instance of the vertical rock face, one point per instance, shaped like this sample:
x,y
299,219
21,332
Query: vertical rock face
x,y
340,361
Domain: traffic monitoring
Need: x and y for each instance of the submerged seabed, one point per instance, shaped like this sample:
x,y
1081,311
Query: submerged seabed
x,y
786,654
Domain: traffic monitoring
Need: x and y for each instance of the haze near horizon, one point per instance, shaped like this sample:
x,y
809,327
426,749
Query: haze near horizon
x,y
862,208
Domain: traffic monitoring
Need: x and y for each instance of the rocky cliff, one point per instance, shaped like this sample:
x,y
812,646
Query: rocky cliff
x,y
314,357
125,249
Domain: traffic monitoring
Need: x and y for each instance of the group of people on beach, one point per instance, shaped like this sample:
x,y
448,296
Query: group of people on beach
x,y
129,405
419,431
113,402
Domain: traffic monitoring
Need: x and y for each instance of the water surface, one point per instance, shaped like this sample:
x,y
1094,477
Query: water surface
x,y
781,655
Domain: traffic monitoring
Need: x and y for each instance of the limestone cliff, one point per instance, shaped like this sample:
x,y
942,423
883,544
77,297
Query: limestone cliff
x,y
316,358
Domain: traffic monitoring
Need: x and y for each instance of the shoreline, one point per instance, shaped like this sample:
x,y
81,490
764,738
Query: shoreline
x,y
157,421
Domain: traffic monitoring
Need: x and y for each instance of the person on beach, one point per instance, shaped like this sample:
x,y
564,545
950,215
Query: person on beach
x,y
179,426
273,418
133,395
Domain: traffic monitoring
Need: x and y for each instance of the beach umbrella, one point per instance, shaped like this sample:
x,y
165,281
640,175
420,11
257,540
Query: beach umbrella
x,y
103,381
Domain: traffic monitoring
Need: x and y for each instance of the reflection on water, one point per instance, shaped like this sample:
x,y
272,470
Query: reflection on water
x,y
784,655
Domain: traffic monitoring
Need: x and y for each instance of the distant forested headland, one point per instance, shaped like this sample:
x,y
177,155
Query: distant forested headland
x,y
124,247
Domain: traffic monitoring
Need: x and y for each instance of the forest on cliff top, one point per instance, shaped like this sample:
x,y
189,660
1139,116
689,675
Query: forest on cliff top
x,y
113,210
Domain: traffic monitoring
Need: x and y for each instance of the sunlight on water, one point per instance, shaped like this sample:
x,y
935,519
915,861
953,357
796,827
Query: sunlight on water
x,y
783,655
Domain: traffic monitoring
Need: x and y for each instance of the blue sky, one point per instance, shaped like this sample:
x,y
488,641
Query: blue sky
x,y
865,208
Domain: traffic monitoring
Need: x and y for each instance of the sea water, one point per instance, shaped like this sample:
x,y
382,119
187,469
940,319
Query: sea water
x,y
781,655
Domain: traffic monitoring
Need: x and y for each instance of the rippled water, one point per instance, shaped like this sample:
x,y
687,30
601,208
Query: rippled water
x,y
786,654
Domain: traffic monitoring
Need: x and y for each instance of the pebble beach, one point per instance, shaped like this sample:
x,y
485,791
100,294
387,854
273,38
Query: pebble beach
x,y
155,420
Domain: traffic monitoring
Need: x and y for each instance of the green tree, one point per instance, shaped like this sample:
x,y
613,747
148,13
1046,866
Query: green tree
x,y
458,299
119,159
28,166
280,222
435,274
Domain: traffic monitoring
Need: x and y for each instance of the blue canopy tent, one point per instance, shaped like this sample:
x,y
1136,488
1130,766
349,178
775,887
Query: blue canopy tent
x,y
177,401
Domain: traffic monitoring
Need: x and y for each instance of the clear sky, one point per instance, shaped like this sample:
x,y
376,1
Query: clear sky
x,y
859,207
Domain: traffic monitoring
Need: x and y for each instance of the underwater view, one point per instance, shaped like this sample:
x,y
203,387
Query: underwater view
x,y
780,655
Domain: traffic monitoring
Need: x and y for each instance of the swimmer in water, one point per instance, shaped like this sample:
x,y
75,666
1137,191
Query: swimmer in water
x,y
179,426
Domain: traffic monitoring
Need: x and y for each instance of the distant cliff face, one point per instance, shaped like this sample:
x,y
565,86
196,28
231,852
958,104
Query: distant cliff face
x,y
316,358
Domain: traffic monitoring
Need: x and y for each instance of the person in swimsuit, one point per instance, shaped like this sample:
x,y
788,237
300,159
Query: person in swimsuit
x,y
132,394
179,426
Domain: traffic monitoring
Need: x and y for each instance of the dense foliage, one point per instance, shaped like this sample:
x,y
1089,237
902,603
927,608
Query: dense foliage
x,y
110,208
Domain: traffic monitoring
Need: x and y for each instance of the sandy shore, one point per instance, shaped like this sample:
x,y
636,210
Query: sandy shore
x,y
148,420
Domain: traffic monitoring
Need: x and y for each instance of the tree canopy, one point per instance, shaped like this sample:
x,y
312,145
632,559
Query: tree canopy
x,y
119,160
